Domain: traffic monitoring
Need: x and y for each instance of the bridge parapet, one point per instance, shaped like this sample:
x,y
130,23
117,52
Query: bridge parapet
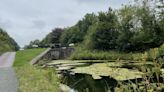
x,y
61,53
53,54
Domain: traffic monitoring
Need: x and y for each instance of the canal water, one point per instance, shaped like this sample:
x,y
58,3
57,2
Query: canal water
x,y
85,83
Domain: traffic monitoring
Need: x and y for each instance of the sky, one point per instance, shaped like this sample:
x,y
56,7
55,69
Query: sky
x,y
27,20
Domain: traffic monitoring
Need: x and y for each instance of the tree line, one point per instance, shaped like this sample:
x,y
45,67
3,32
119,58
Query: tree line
x,y
6,42
134,27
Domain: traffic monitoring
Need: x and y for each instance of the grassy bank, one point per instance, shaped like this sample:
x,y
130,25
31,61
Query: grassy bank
x,y
84,54
25,56
34,79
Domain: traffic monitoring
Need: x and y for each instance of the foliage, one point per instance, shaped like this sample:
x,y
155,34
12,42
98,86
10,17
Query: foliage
x,y
77,33
32,43
71,35
53,37
85,54
135,27
152,80
105,34
150,33
7,43
126,27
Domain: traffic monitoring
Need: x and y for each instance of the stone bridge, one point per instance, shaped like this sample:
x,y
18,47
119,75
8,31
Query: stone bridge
x,y
59,53
54,54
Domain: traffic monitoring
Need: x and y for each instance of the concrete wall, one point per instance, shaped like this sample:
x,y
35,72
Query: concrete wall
x,y
61,53
40,57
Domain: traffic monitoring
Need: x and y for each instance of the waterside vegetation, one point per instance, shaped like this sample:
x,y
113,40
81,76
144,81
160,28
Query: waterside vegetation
x,y
34,78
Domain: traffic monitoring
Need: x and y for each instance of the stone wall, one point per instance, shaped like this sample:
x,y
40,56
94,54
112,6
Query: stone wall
x,y
61,53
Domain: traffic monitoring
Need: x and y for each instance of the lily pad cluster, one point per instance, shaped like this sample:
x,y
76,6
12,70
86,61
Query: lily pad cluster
x,y
98,69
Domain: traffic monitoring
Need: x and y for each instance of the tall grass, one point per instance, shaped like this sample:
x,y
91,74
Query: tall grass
x,y
84,54
153,78
34,78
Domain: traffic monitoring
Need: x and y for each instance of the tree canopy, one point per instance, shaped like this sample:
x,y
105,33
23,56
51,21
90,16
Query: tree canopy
x,y
134,27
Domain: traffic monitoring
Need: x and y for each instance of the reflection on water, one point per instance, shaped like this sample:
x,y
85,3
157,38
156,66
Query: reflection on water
x,y
85,83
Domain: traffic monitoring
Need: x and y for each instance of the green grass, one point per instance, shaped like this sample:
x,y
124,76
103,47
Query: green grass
x,y
84,54
34,78
25,56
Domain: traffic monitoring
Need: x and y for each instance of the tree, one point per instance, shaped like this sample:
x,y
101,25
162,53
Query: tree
x,y
105,34
7,43
126,27
150,33
134,27
71,35
77,33
53,37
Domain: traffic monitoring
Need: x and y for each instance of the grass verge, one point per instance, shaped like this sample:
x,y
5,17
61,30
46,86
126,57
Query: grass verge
x,y
34,78
25,56
84,54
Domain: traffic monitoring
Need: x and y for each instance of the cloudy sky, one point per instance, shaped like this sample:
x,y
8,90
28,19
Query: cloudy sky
x,y
26,20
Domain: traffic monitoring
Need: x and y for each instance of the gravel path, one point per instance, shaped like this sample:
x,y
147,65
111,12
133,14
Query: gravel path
x,y
8,80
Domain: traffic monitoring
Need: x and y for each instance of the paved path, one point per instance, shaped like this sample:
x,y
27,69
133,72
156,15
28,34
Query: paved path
x,y
7,59
8,80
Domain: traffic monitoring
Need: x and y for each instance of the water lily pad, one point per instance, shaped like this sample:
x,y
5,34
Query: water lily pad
x,y
99,68
104,70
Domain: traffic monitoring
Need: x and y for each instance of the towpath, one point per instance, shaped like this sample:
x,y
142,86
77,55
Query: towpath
x,y
8,80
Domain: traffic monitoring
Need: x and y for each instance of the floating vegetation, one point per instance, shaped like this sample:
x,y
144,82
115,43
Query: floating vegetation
x,y
112,76
97,69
